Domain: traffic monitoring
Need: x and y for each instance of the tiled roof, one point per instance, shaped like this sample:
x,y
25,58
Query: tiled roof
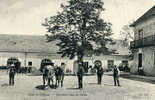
x,y
28,43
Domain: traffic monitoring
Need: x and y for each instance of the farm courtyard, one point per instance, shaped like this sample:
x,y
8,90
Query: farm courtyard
x,y
25,89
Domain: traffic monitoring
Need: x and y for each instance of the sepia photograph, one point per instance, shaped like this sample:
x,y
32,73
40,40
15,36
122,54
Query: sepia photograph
x,y
77,49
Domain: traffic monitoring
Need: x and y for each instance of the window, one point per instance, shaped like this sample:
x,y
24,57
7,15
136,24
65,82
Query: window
x,y
30,63
154,57
125,63
110,63
140,34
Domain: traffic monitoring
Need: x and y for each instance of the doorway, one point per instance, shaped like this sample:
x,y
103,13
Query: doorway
x,y
110,64
139,60
140,66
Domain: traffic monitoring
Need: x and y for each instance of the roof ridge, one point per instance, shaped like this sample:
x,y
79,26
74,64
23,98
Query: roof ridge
x,y
147,14
20,35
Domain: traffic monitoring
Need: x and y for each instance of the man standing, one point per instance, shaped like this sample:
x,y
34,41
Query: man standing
x,y
51,73
11,74
80,75
58,75
62,73
116,74
45,74
99,73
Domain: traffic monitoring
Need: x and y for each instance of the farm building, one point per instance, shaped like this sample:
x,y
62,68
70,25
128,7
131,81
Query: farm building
x,y
34,50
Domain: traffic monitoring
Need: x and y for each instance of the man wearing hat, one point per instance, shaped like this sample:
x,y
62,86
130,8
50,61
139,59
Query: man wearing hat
x,y
80,75
62,73
11,74
51,73
99,73
116,74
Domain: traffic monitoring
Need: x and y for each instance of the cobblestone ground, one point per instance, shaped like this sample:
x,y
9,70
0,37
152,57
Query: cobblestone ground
x,y
24,89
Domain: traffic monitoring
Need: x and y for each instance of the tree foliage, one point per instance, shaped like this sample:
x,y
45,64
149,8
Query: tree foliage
x,y
127,35
80,29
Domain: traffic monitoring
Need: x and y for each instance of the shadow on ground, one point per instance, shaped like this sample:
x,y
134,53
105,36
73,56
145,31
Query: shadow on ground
x,y
44,87
138,79
108,84
92,83
72,88
5,85
133,77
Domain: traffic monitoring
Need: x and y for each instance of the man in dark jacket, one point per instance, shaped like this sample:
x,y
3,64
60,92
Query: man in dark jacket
x,y
11,74
45,74
116,74
99,73
80,75
58,72
62,73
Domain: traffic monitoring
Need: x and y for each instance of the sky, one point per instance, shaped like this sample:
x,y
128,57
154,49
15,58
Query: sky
x,y
26,16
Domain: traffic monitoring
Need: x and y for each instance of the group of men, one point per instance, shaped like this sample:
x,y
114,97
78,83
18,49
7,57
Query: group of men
x,y
51,73
116,74
100,73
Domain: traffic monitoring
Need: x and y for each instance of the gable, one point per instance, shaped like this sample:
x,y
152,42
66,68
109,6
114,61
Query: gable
x,y
148,14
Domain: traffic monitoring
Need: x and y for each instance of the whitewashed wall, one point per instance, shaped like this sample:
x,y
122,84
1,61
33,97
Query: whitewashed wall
x,y
36,59
148,61
148,27
6,55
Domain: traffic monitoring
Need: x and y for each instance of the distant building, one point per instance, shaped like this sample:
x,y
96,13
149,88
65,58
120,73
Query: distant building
x,y
144,43
34,50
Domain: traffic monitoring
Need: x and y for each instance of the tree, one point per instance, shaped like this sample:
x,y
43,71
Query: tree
x,y
127,36
80,29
